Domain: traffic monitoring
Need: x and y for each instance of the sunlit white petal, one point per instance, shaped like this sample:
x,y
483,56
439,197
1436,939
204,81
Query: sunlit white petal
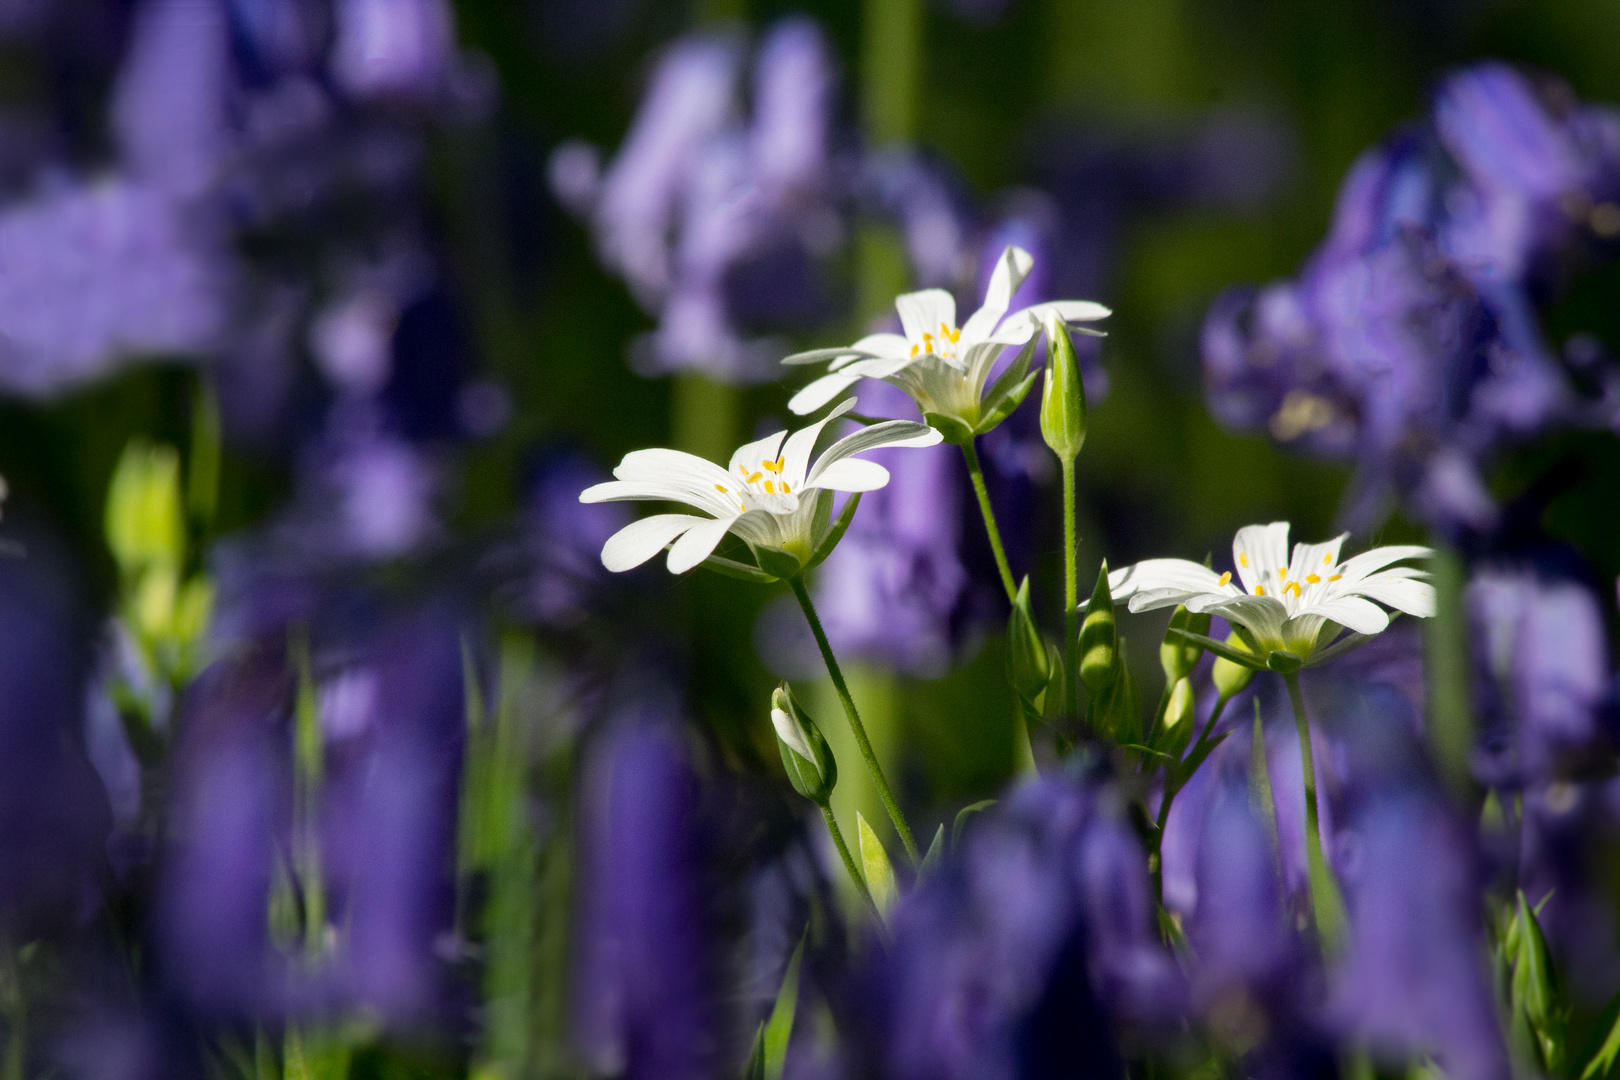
x,y
641,540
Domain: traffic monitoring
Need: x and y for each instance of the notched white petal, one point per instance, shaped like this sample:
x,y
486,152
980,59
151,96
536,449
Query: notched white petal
x,y
641,540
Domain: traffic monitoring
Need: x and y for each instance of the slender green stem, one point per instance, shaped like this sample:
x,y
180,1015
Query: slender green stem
x,y
1325,902
976,473
1071,591
855,874
855,724
1173,783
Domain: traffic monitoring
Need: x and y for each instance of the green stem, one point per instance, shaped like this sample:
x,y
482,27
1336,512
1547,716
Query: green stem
x,y
971,456
1326,907
849,860
872,766
1071,591
1173,783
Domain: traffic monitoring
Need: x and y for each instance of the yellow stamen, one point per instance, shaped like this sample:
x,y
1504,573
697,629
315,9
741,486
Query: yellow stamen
x,y
1292,585
1243,560
956,335
771,466
1259,590
1281,574
1224,579
755,478
1312,578
769,490
785,489
914,350
1335,577
1327,560
721,488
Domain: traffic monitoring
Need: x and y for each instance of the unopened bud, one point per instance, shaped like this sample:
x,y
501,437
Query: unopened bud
x,y
1180,707
1027,659
145,525
805,754
1063,396
1098,641
1177,655
1230,678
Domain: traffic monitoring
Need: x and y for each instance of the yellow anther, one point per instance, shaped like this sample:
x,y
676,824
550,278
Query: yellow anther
x,y
769,490
771,466
1224,579
1282,574
1327,560
755,478
1312,578
914,350
1292,585
721,488
785,489
1243,559
956,335
1335,577
1259,590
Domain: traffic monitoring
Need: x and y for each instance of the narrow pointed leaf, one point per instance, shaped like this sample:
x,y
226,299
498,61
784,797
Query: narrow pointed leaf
x,y
731,568
936,853
962,817
780,1026
875,864
1603,1060
1222,649
994,413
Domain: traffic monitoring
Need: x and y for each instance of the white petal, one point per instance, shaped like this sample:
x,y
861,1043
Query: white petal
x,y
625,491
796,453
641,540
749,455
698,479
1262,616
1315,558
821,391
1069,311
923,312
1401,593
1011,269
698,544
1163,574
887,346
1153,599
1259,552
1370,562
789,733
888,433
852,474
1362,616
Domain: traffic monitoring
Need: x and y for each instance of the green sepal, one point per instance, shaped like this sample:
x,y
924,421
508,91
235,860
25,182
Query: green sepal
x,y
1098,639
776,562
876,866
1283,662
731,568
835,532
1348,643
1534,986
935,856
962,817
1173,735
1028,666
1009,390
1225,651
813,777
952,428
1063,397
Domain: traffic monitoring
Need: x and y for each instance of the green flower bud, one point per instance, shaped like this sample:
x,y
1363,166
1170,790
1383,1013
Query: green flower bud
x,y
1229,678
1098,641
1180,707
1063,397
1177,656
145,524
805,754
1027,660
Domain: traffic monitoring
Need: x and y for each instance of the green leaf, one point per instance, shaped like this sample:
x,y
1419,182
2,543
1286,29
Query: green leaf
x,y
951,427
1027,660
755,1069
1533,985
962,817
1260,797
1223,650
1603,1060
780,1026
875,864
836,533
731,568
935,855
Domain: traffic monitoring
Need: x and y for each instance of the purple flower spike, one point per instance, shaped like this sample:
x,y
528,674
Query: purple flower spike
x,y
1415,980
646,1003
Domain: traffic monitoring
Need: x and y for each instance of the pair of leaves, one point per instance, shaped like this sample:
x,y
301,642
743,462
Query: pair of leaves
x,y
1540,1015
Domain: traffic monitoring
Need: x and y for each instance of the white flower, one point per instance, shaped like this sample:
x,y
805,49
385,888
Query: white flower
x,y
1286,603
771,496
942,366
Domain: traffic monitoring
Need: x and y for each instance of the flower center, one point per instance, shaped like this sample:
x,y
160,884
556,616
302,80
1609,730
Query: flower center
x,y
942,344
756,482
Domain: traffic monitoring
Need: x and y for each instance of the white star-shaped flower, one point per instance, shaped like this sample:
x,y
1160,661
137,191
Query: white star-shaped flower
x,y
941,365
1296,605
771,495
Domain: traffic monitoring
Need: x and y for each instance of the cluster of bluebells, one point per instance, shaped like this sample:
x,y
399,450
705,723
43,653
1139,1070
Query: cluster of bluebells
x,y
1410,343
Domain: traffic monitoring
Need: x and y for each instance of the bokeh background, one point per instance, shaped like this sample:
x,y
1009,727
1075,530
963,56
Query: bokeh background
x,y
421,267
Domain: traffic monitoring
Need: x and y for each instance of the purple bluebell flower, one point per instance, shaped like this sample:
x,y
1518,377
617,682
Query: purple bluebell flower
x,y
393,48
169,106
1009,960
933,210
564,539
1409,341
1543,671
716,215
54,816
1414,980
646,999
1238,930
